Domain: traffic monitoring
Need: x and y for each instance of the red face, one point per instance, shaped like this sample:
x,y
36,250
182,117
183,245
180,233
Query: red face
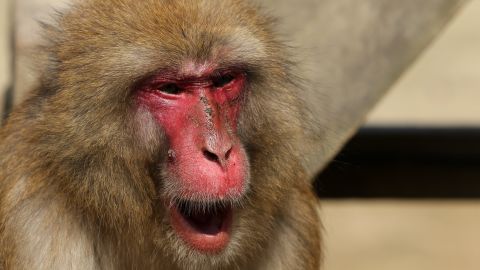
x,y
198,111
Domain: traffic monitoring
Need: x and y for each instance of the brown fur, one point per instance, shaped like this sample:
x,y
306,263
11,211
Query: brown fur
x,y
78,188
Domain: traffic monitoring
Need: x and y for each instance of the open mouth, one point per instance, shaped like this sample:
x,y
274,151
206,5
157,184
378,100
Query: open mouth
x,y
203,226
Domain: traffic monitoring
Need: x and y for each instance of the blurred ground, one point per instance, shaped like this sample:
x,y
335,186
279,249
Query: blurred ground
x,y
392,235
442,88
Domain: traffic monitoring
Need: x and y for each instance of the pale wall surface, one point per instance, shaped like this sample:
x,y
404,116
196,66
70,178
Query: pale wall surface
x,y
443,87
4,49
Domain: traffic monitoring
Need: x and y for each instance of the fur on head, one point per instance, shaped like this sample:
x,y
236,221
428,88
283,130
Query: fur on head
x,y
103,151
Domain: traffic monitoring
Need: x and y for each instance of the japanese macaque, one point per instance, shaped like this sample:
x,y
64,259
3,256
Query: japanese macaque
x,y
163,135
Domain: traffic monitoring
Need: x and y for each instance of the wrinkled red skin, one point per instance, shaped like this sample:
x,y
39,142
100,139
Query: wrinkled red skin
x,y
199,121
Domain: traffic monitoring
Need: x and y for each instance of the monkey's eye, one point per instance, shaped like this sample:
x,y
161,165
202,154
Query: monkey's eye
x,y
170,88
223,80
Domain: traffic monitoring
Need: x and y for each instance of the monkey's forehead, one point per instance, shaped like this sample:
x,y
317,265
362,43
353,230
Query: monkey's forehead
x,y
156,32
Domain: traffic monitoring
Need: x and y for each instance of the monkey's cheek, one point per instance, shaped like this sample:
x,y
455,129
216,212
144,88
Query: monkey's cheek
x,y
204,232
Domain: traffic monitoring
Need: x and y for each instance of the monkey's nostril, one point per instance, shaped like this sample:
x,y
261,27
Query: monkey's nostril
x,y
227,155
210,156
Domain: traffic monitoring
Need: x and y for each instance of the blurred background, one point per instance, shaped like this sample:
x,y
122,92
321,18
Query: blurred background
x,y
403,193
406,188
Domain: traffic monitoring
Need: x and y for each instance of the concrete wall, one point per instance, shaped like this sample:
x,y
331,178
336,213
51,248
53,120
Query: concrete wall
x,y
443,87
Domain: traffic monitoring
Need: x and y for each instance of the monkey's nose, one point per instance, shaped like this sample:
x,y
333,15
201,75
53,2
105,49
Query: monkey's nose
x,y
219,155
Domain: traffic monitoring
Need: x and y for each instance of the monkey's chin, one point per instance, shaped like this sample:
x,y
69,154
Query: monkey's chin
x,y
205,227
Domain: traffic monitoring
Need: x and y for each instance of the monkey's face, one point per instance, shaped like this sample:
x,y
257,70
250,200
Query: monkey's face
x,y
194,102
206,169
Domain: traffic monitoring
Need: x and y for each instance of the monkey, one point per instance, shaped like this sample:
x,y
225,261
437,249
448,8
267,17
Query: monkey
x,y
162,134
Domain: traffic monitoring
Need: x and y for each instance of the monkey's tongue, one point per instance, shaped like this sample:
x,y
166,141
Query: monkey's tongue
x,y
206,229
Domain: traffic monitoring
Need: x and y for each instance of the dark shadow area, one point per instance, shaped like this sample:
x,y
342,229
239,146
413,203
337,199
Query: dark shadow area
x,y
9,92
8,98
7,103
441,163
